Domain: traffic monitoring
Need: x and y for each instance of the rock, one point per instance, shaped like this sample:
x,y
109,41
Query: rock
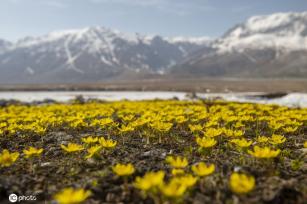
x,y
200,198
191,95
162,155
110,197
46,164
146,154
62,136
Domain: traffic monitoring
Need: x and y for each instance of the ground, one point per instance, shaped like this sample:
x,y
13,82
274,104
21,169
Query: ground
x,y
204,85
146,133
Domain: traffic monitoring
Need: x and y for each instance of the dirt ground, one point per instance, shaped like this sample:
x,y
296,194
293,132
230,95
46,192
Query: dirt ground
x,y
54,172
170,84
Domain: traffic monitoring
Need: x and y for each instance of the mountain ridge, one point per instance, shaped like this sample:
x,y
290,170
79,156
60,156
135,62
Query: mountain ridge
x,y
262,46
94,53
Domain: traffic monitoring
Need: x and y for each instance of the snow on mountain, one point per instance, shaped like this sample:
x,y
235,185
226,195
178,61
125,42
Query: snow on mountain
x,y
4,45
285,31
194,40
98,36
94,53
263,46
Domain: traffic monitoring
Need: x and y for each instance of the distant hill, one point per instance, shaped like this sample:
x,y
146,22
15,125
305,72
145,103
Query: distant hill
x,y
91,54
273,46
263,46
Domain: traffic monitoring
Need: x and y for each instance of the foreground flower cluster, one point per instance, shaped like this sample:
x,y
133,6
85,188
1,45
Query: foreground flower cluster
x,y
157,151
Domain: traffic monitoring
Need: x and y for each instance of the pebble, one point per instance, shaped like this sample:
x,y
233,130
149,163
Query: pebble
x,y
46,164
62,136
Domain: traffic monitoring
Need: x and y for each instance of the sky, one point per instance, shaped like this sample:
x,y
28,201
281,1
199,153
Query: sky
x,y
190,18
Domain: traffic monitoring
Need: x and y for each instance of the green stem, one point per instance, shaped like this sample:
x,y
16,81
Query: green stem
x,y
147,140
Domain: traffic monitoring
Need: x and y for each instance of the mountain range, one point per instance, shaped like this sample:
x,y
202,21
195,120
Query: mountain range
x,y
90,54
263,46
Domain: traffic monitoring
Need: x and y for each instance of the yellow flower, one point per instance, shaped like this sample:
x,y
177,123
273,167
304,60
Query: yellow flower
x,y
123,169
126,129
7,158
180,119
241,142
92,151
128,118
32,151
264,152
102,122
139,122
72,196
241,183
201,169
233,133
105,121
238,125
275,125
107,143
72,147
149,180
90,139
206,142
188,180
290,129
163,127
277,139
212,132
305,144
195,128
177,161
211,123
173,189
176,172
262,139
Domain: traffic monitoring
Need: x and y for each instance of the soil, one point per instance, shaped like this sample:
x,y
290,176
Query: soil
x,y
204,85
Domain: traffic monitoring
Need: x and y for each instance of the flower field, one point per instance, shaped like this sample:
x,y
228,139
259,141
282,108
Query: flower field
x,y
154,152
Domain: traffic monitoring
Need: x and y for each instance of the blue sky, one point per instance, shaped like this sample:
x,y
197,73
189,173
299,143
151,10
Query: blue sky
x,y
19,18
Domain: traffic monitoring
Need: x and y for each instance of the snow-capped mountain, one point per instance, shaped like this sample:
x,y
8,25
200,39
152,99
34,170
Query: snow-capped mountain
x,y
263,46
286,31
4,45
92,54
